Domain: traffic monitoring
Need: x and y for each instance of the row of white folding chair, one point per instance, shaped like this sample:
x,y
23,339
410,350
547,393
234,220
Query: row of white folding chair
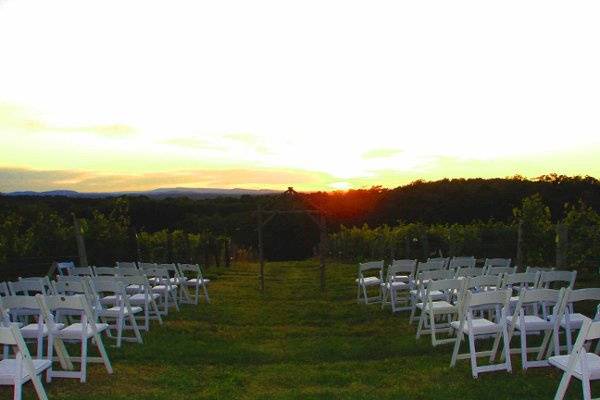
x,y
48,309
444,295
110,300
552,311
187,276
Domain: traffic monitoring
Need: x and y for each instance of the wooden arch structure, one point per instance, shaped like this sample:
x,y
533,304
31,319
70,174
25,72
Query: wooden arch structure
x,y
290,202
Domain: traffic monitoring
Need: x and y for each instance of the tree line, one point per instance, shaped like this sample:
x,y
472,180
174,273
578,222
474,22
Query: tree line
x,y
455,215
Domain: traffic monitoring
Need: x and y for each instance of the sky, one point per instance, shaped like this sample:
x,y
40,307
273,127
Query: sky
x,y
103,95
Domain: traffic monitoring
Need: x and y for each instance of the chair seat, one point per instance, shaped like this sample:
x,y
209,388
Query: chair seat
x,y
177,280
74,331
402,278
435,294
532,323
31,331
116,311
575,321
8,370
140,298
370,281
438,306
396,285
593,362
111,299
481,326
194,281
163,288
135,288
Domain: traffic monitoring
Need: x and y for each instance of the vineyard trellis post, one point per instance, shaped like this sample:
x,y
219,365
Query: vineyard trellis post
x,y
562,240
83,262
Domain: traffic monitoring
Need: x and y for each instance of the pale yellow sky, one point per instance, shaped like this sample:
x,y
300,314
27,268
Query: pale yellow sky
x,y
132,95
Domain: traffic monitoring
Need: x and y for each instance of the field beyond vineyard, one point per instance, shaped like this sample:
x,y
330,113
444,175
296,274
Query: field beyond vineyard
x,y
293,343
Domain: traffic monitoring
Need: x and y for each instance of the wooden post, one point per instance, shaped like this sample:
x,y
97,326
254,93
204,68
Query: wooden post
x,y
227,252
83,262
520,246
138,251
562,241
322,249
260,249
425,244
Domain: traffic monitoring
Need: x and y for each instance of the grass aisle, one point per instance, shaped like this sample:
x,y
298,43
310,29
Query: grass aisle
x,y
294,343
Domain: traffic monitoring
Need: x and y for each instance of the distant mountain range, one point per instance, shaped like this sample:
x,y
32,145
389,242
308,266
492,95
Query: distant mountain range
x,y
195,193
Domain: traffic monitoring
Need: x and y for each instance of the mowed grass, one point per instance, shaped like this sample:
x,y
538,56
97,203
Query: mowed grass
x,y
293,342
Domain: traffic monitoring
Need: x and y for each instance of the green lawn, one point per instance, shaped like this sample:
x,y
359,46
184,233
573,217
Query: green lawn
x,y
292,342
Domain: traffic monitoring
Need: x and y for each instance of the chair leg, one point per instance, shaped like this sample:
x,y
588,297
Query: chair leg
x,y
432,327
119,330
18,389
563,386
569,337
365,294
103,353
473,353
506,340
459,339
135,328
523,348
84,343
39,387
420,327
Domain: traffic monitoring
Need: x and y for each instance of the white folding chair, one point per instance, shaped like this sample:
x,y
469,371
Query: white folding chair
x,y
571,320
518,281
126,265
432,308
31,286
462,262
580,364
81,331
432,264
494,270
481,328
444,261
164,287
81,271
469,272
497,263
22,368
194,279
116,306
64,267
144,298
541,321
418,294
399,278
18,305
178,281
558,279
365,281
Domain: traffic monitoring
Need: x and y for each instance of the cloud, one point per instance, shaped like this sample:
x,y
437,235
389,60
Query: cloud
x,y
15,118
193,143
17,179
381,153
